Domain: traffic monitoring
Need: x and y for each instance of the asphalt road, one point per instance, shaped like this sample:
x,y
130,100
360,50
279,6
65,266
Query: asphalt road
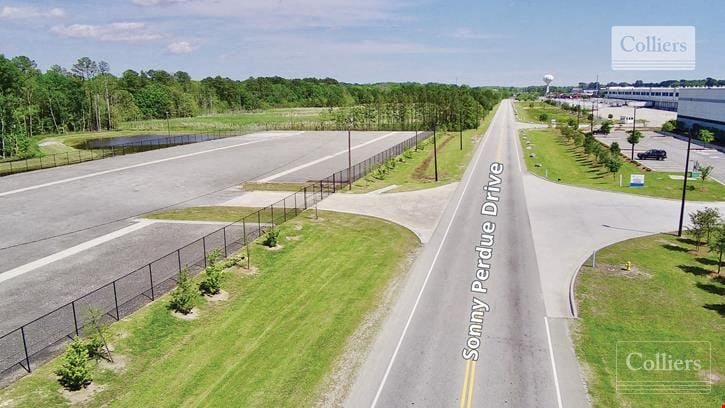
x,y
418,358
676,153
46,212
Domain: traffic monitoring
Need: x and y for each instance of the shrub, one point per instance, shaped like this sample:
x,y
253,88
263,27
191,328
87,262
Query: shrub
x,y
270,240
213,256
212,282
408,154
74,372
97,342
543,117
571,122
615,149
185,296
669,126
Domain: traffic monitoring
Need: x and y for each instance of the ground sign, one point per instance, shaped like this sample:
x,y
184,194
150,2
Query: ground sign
x,y
636,180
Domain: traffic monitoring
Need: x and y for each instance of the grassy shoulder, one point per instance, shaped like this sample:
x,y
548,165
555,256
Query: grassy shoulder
x,y
291,187
271,344
532,112
204,213
418,170
559,160
670,294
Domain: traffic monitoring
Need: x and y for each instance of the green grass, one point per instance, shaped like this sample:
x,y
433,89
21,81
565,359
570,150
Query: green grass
x,y
234,120
212,213
531,114
566,163
672,297
418,172
270,345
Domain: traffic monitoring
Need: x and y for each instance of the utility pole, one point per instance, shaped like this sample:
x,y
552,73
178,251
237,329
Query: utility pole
x,y
684,183
349,154
435,152
634,129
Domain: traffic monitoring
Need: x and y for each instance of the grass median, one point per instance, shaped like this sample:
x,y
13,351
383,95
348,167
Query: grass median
x,y
559,160
418,170
272,344
670,294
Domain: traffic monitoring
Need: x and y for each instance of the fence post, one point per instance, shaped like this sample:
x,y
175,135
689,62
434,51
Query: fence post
x,y
295,204
75,319
115,299
151,279
284,209
224,230
321,190
25,348
178,256
333,182
244,231
305,189
259,223
203,246
272,207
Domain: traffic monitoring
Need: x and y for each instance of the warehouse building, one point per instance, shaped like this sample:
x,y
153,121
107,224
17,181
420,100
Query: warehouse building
x,y
657,98
702,107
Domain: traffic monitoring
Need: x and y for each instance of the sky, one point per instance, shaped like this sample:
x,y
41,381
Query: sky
x,y
481,42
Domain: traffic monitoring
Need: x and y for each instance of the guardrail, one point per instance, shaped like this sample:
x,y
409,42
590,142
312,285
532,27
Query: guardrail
x,y
42,338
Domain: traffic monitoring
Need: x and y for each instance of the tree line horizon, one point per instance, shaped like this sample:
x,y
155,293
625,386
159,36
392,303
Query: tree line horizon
x,y
87,97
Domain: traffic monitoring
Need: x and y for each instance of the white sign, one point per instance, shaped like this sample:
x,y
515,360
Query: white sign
x,y
653,48
636,180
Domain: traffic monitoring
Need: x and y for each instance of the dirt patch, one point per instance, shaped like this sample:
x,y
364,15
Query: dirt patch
x,y
119,363
251,271
83,395
293,238
274,248
422,168
222,296
193,315
619,270
298,227
711,376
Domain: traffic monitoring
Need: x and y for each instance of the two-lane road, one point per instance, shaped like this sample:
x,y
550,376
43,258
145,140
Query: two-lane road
x,y
470,327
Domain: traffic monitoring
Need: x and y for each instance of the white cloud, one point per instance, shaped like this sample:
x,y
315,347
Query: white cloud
x,y
10,12
466,33
128,32
288,14
147,3
181,47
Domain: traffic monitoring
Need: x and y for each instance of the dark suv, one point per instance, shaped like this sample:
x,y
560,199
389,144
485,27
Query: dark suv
x,y
652,154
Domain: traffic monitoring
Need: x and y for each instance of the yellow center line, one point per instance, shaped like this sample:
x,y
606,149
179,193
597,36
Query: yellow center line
x,y
472,382
465,384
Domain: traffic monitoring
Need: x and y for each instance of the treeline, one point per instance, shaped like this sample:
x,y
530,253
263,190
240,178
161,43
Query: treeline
x,y
87,97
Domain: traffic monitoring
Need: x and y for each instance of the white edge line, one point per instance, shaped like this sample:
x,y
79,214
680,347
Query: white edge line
x,y
321,159
100,173
430,270
39,263
553,363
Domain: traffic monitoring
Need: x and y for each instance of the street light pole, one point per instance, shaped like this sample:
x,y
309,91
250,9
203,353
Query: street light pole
x,y
349,155
634,128
168,125
684,184
435,153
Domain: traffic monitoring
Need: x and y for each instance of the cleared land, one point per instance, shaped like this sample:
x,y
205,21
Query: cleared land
x,y
531,111
670,294
271,344
416,170
566,163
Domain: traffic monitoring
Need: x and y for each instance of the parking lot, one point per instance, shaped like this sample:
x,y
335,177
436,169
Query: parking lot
x,y
676,152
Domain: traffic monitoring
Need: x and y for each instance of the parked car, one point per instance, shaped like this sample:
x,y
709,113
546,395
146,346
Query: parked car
x,y
655,154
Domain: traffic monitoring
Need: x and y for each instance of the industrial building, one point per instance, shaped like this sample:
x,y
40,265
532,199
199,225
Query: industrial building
x,y
704,107
655,97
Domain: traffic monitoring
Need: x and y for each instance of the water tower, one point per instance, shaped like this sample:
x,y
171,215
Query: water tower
x,y
548,78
